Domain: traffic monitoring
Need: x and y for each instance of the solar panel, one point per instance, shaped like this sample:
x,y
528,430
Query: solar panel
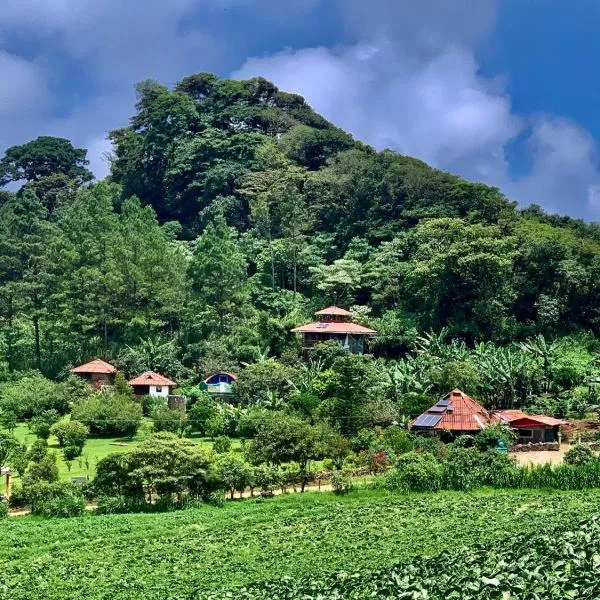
x,y
437,409
427,421
443,402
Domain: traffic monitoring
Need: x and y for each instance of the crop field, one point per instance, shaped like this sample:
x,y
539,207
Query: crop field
x,y
217,552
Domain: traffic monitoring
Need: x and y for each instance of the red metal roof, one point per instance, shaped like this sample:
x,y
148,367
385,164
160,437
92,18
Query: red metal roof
x,y
95,366
456,412
519,419
150,378
325,327
334,310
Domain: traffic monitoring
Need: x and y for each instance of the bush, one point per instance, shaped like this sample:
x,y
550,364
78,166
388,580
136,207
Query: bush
x,y
71,452
222,445
33,395
150,404
201,413
43,470
328,464
579,455
56,499
363,440
398,440
266,478
70,433
38,450
41,424
110,415
172,420
415,471
341,483
3,510
468,468
490,436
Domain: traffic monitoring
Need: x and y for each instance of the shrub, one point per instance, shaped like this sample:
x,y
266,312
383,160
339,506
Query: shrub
x,y
41,424
398,439
222,445
201,413
490,436
33,395
38,450
266,478
234,473
107,414
328,464
70,433
579,455
3,510
54,499
150,404
415,471
341,483
172,420
71,452
43,470
363,439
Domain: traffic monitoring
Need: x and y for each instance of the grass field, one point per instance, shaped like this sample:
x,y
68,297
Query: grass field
x,y
190,553
95,449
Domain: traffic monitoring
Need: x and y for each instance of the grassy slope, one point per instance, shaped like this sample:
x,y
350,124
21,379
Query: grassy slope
x,y
95,449
174,555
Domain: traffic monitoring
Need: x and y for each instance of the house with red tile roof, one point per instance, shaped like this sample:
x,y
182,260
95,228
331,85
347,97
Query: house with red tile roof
x,y
151,384
530,429
458,413
97,372
333,324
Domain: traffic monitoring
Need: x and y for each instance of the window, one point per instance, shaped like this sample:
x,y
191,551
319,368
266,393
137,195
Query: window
x,y
526,433
158,389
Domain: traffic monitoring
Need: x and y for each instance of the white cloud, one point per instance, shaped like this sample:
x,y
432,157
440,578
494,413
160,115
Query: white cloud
x,y
437,106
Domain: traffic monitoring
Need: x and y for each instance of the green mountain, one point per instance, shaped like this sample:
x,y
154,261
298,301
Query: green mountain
x,y
233,210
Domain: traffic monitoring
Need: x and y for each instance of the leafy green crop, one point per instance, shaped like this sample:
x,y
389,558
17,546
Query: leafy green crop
x,y
196,552
534,567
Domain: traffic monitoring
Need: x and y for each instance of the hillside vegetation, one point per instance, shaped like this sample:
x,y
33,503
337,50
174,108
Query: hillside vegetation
x,y
233,210
197,552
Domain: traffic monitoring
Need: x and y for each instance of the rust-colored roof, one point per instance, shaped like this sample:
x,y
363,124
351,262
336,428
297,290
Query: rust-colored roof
x,y
334,310
150,378
454,412
95,366
513,417
326,327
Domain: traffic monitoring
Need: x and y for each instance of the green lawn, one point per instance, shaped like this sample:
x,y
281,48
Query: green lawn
x,y
185,554
95,449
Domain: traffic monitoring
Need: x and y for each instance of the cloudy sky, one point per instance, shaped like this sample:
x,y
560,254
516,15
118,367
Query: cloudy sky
x,y
497,91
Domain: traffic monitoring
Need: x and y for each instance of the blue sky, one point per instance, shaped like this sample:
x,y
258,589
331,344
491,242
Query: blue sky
x,y
497,91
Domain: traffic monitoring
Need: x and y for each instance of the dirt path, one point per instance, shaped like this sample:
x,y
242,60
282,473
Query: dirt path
x,y
540,457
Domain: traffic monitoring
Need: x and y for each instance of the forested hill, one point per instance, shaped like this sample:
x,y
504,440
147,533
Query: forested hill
x,y
233,210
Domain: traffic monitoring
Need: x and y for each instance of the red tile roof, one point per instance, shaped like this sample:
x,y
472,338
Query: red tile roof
x,y
455,412
334,310
95,366
326,327
150,378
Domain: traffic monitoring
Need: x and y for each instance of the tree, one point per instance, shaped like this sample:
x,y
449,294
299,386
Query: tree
x,y
42,157
234,472
285,438
218,269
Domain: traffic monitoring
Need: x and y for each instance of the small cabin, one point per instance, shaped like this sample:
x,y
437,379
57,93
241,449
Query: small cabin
x,y
97,373
219,385
531,429
333,324
152,384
